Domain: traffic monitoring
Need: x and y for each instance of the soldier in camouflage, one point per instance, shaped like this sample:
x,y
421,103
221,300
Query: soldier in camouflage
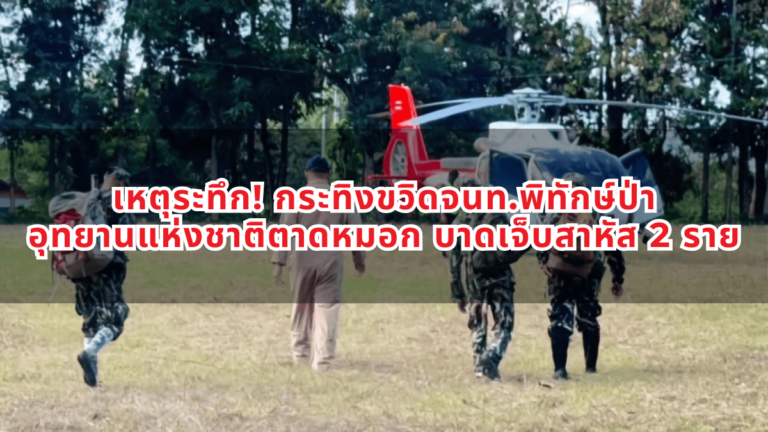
x,y
99,300
99,297
570,292
453,181
490,284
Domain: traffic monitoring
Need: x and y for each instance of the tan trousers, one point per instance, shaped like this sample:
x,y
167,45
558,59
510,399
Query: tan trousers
x,y
317,286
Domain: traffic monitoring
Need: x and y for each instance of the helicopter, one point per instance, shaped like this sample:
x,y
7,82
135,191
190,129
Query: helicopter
x,y
515,152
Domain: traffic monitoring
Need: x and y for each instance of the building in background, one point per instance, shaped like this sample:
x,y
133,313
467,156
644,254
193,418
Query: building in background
x,y
20,198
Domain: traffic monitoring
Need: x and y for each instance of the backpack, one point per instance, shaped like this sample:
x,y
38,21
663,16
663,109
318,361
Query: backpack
x,y
75,208
578,262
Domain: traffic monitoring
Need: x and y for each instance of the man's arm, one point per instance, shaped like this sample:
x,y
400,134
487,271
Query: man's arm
x,y
458,294
455,258
615,260
507,257
543,256
358,256
510,257
280,258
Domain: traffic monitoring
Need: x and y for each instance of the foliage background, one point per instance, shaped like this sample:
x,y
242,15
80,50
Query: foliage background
x,y
178,93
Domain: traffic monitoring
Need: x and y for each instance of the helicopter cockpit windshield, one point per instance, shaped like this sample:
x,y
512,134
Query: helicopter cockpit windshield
x,y
506,170
595,165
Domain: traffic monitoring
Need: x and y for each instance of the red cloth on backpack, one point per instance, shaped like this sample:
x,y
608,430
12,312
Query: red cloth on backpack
x,y
71,218
67,217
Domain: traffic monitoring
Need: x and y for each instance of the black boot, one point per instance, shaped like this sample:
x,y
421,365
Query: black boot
x,y
90,368
478,366
591,347
560,338
490,367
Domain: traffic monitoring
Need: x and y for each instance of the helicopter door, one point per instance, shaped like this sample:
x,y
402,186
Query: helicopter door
x,y
507,171
638,167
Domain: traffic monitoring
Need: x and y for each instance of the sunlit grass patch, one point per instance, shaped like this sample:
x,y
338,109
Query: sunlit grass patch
x,y
662,367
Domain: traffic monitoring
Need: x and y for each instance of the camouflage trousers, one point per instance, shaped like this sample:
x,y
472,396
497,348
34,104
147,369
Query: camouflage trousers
x,y
99,300
574,298
498,298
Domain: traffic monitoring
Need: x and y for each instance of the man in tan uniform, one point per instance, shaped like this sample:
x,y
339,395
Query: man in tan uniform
x,y
316,279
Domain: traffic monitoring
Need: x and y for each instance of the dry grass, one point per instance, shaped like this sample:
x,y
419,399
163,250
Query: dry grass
x,y
663,367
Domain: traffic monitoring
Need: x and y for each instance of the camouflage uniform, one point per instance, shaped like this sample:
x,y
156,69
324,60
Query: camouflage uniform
x,y
454,180
569,292
99,298
490,284
574,298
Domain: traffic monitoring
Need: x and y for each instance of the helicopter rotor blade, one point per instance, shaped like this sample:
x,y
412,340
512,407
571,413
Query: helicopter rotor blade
x,y
464,105
664,107
379,115
387,114
450,102
474,104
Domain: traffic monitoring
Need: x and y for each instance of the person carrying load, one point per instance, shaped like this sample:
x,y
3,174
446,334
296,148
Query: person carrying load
x,y
97,274
573,282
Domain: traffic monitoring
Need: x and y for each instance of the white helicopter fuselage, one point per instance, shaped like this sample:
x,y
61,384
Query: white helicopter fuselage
x,y
516,136
527,143
509,137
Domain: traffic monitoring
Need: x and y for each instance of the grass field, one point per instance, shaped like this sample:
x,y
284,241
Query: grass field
x,y
663,366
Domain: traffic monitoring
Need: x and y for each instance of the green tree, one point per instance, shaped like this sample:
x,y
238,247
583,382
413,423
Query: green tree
x,y
57,40
235,66
11,119
723,45
425,45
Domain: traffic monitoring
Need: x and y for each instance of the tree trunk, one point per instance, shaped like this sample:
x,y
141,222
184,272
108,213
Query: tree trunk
x,y
234,159
509,7
615,92
615,130
147,82
294,18
659,150
367,167
759,191
743,164
729,177
152,159
605,83
250,142
62,146
11,147
12,156
705,183
214,164
120,77
282,177
601,86
731,133
269,181
52,164
62,164
214,156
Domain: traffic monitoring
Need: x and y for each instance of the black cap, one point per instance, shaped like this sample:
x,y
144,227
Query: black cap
x,y
318,164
